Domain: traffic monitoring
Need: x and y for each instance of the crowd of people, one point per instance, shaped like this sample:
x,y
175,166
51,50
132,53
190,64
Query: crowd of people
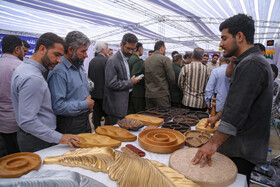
x,y
46,99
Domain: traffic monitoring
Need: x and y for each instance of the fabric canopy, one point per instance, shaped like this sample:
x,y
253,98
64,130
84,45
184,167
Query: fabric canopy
x,y
182,24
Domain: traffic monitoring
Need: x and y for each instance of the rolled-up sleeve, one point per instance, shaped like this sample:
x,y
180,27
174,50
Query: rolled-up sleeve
x,y
30,98
247,84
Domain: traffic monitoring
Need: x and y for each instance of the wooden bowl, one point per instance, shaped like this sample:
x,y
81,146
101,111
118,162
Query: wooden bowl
x,y
116,133
222,172
161,140
18,164
130,124
197,138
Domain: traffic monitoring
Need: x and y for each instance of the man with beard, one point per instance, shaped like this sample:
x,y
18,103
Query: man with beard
x,y
243,133
32,100
13,53
118,83
214,63
68,84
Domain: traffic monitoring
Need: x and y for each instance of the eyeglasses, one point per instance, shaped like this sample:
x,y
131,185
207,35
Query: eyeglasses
x,y
130,49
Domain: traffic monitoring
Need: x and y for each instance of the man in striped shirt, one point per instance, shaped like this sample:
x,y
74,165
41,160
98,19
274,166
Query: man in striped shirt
x,y
192,80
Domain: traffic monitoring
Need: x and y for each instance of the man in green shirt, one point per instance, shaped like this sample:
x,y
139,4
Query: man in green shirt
x,y
176,93
137,101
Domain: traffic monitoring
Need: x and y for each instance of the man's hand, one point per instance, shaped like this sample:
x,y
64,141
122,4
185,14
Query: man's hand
x,y
70,139
134,81
204,155
212,120
90,102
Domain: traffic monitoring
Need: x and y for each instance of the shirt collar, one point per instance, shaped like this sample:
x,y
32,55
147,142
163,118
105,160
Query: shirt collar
x,y
36,64
246,53
123,57
7,55
67,63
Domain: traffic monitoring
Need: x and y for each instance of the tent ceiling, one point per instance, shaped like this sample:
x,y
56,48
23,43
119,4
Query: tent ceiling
x,y
182,24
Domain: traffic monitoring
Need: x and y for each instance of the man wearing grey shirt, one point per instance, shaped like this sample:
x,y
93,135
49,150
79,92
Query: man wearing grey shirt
x,y
32,100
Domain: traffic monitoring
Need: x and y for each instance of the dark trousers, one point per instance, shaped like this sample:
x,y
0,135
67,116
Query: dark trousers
x,y
244,167
73,124
176,105
9,141
136,104
29,143
161,101
98,112
114,119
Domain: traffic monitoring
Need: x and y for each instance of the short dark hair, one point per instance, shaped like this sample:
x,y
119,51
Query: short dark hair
x,y
48,40
151,51
138,46
174,53
129,38
187,55
215,55
205,54
261,46
177,57
158,45
225,59
198,53
240,23
25,44
274,69
10,42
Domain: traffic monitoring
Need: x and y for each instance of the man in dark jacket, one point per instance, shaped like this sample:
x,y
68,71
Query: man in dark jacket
x,y
96,72
137,96
118,83
176,93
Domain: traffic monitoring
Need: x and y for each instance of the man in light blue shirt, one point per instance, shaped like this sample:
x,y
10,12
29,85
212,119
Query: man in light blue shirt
x,y
32,100
71,100
218,83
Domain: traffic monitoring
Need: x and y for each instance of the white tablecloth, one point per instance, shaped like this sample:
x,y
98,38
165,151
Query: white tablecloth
x,y
103,177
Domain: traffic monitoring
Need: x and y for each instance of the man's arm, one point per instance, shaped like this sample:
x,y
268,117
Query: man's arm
x,y
181,78
210,87
111,77
30,97
230,67
169,72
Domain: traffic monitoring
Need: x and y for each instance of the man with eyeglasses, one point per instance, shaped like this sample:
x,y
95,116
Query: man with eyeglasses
x,y
118,83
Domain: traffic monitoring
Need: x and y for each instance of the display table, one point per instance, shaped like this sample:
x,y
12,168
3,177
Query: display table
x,y
104,177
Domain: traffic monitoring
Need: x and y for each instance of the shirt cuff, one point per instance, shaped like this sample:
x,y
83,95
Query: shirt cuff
x,y
83,105
227,128
56,137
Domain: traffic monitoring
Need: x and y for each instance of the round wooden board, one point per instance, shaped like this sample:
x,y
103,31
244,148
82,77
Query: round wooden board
x,y
222,172
18,164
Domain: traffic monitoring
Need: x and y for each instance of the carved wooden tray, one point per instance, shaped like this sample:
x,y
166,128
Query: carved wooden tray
x,y
18,164
181,127
197,138
161,140
97,140
198,114
130,124
116,133
147,120
200,126
222,172
190,120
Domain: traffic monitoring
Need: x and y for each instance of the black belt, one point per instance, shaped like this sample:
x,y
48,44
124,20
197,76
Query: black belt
x,y
85,114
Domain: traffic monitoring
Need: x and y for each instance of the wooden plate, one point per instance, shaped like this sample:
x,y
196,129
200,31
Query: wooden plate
x,y
97,140
197,138
222,172
200,126
147,120
116,133
161,140
18,164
